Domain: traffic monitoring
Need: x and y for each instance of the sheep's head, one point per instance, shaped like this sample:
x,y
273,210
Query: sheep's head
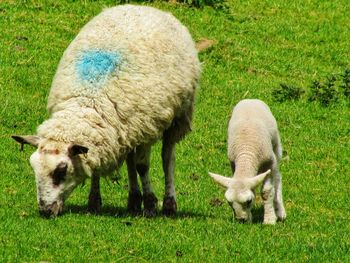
x,y
240,193
57,169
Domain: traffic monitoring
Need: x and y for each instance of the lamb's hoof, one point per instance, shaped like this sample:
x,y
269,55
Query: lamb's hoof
x,y
270,220
95,204
134,202
150,205
281,215
169,206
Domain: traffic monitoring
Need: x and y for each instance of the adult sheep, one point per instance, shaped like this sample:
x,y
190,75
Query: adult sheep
x,y
254,150
127,79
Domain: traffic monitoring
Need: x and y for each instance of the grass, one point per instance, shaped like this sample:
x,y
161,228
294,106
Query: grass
x,y
260,45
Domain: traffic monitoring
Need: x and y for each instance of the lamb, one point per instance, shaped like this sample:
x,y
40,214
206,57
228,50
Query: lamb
x,y
254,147
126,80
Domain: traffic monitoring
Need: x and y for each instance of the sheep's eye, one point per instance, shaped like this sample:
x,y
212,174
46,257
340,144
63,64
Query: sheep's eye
x,y
59,173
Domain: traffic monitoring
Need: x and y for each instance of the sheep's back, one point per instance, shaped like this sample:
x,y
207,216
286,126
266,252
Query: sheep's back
x,y
132,62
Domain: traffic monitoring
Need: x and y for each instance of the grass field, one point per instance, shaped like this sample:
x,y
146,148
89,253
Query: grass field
x,y
260,44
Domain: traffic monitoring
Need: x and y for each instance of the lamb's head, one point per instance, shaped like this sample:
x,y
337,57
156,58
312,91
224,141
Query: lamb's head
x,y
240,193
57,169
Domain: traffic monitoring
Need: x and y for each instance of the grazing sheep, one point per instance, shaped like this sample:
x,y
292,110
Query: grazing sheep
x,y
254,147
125,81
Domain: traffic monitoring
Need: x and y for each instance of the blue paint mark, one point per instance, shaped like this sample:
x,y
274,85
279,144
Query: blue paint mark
x,y
94,66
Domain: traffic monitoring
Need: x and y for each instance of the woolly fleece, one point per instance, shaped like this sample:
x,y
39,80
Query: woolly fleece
x,y
253,137
121,82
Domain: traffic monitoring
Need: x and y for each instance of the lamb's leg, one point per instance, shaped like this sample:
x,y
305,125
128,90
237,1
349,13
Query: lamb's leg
x,y
135,197
268,195
279,207
168,157
278,202
95,202
143,154
277,147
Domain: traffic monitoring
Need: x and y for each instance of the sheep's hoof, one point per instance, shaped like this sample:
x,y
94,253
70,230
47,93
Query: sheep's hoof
x,y
95,203
134,202
150,205
169,206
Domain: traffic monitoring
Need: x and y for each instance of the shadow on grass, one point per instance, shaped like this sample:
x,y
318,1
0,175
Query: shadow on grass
x,y
258,215
113,211
122,212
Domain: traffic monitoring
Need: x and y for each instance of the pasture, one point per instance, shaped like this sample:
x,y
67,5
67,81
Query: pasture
x,y
260,44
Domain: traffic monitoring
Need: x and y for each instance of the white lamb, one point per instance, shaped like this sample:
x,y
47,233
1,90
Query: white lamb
x,y
254,150
126,80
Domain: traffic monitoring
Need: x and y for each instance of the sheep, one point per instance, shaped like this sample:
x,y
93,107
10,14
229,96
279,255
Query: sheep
x,y
127,80
254,147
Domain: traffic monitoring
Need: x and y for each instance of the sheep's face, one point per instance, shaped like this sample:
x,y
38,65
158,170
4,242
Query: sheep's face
x,y
241,199
56,173
57,169
240,193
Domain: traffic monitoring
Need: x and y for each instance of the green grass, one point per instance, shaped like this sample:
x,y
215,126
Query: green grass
x,y
260,45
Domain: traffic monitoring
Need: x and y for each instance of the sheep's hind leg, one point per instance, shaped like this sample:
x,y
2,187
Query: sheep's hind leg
x,y
135,197
171,136
168,157
95,201
143,154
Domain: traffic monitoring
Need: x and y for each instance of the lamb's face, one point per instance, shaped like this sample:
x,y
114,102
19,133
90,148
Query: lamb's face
x,y
241,199
240,193
55,174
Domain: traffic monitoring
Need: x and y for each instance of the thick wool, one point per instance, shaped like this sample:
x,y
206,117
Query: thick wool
x,y
253,138
121,82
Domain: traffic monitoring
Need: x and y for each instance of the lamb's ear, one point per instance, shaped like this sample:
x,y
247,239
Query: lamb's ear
x,y
256,180
76,149
27,139
221,180
229,195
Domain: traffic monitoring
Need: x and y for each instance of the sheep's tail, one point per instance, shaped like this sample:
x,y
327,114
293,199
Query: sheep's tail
x,y
204,44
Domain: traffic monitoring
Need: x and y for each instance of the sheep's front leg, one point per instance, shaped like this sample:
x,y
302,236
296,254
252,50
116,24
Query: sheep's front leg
x,y
135,197
168,157
143,154
268,194
279,207
95,201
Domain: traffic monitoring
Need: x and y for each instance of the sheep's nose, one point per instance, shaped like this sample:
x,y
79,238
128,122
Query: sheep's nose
x,y
242,220
45,213
41,203
51,210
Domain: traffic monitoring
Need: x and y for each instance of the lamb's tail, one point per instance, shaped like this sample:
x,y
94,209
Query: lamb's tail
x,y
204,44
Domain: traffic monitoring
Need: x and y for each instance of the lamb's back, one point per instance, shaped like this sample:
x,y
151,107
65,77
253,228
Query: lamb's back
x,y
252,128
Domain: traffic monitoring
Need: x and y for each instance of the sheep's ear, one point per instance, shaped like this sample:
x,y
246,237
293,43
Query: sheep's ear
x,y
256,180
76,149
27,139
221,180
